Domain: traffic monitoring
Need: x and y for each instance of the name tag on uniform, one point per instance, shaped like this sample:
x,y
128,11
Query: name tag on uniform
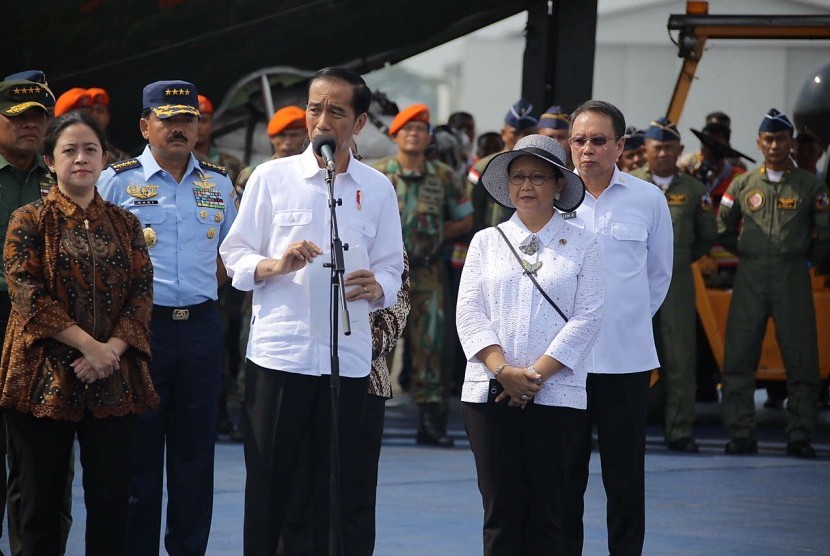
x,y
568,215
786,204
145,202
676,199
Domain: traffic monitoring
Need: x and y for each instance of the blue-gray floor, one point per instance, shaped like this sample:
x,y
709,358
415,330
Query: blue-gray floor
x,y
428,501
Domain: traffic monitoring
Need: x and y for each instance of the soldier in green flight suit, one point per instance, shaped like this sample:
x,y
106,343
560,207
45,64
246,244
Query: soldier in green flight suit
x,y
776,219
695,232
433,208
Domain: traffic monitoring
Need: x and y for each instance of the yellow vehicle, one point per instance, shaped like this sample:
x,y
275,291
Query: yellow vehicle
x,y
694,29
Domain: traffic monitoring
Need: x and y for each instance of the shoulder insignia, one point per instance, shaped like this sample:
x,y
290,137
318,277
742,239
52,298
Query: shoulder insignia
x,y
676,199
126,165
215,167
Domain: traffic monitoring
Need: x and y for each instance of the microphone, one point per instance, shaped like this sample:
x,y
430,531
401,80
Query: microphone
x,y
324,147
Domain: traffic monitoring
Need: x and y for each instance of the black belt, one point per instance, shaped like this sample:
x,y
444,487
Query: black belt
x,y
418,262
184,313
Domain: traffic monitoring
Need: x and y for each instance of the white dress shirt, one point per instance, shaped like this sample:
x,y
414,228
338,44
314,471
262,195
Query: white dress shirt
x,y
632,222
285,201
499,305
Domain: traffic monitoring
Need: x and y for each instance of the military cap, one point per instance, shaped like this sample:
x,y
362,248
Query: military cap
x,y
414,113
19,95
775,121
170,98
97,95
289,117
520,116
205,106
77,97
36,76
634,138
554,118
662,129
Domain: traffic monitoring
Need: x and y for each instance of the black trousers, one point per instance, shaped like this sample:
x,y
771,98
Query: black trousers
x,y
359,518
281,411
617,405
523,462
42,448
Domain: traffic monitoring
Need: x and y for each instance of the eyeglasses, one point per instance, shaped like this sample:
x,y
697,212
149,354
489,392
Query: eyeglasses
x,y
597,141
535,179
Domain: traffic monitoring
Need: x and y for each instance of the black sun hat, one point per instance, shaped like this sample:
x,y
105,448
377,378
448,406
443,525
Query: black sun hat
x,y
548,149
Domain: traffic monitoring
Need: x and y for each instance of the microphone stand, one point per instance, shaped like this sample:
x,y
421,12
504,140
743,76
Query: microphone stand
x,y
336,303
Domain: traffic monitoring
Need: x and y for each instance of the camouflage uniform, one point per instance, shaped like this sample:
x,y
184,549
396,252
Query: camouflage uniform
x,y
425,200
231,164
774,228
695,232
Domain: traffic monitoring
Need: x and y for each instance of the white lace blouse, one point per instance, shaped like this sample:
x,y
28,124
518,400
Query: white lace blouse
x,y
498,304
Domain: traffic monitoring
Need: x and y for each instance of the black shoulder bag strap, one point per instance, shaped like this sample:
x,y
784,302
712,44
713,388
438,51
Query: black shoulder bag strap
x,y
529,275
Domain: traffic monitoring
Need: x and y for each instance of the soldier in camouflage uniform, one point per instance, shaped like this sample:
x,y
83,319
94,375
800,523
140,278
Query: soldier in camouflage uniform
x,y
433,209
205,149
95,102
693,222
519,122
775,218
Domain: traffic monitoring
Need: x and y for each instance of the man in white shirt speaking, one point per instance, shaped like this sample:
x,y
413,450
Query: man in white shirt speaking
x,y
632,222
277,249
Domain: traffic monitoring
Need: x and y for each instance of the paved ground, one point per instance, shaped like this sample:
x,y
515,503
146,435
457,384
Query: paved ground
x,y
696,505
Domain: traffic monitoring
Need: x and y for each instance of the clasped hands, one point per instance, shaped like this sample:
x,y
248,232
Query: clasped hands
x,y
99,360
520,385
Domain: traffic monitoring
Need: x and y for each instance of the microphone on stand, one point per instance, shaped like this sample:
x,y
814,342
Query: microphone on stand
x,y
324,147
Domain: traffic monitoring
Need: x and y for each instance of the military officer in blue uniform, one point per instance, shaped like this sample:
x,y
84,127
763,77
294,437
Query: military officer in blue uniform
x,y
186,208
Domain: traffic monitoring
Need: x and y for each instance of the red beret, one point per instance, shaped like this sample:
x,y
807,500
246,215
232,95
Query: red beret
x,y
414,113
205,106
290,117
98,95
70,100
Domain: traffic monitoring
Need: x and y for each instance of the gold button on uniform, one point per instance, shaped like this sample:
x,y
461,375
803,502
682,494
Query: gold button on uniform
x,y
211,233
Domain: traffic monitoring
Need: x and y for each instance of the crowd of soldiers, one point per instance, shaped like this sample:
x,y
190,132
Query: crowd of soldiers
x,y
774,219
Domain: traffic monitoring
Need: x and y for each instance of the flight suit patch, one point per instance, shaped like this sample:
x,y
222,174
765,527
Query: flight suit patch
x,y
676,199
755,200
786,203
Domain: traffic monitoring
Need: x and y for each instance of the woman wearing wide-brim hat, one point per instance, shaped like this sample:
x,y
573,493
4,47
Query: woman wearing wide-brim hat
x,y
530,306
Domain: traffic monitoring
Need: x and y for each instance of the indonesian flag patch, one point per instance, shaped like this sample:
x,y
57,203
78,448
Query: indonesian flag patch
x,y
727,200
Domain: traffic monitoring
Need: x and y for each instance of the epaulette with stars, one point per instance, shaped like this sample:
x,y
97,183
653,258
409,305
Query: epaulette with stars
x,y
218,168
125,165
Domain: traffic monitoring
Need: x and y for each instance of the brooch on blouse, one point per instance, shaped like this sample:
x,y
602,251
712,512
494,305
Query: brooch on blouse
x,y
531,268
532,247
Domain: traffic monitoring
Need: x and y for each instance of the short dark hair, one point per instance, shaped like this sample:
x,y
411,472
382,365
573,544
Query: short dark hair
x,y
59,124
456,118
719,117
361,95
604,108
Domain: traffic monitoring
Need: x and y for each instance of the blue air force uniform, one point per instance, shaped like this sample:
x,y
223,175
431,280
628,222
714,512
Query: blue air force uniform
x,y
184,223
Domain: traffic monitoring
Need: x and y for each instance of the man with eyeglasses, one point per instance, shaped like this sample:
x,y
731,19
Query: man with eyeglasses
x,y
631,220
776,218
428,192
695,232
